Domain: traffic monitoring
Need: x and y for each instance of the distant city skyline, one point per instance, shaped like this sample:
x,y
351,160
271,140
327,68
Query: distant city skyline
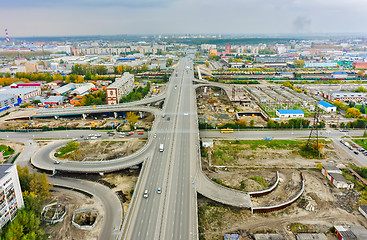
x,y
25,18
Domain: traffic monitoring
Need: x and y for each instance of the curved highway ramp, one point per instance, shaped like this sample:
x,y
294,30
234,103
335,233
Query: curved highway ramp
x,y
221,194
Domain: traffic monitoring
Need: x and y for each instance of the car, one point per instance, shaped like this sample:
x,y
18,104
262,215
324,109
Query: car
x,y
155,135
361,149
85,138
355,152
111,133
121,133
93,138
98,135
146,193
186,114
91,135
355,146
56,162
350,148
75,139
365,153
159,190
168,118
140,133
81,136
130,133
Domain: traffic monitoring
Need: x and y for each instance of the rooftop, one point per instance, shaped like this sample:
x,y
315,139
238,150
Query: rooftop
x,y
4,169
290,111
311,236
326,104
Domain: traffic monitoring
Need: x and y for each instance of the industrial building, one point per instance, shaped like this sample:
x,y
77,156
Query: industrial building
x,y
345,96
119,88
327,107
8,101
311,236
334,174
64,89
11,198
23,93
351,232
286,113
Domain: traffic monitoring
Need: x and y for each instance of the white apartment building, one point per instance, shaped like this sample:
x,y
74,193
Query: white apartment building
x,y
11,198
122,86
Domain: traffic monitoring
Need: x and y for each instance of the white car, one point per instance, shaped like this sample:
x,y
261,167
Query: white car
x,y
93,138
155,135
146,194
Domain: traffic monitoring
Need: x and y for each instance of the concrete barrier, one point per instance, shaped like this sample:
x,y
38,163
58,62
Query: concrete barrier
x,y
282,205
266,191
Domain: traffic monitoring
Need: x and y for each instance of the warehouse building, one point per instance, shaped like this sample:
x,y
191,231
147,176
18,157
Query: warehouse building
x,y
7,101
345,96
122,86
327,107
290,113
351,232
22,93
11,198
334,174
311,236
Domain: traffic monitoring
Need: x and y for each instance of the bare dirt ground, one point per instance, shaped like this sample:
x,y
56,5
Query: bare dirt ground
x,y
328,210
73,201
124,183
96,150
278,157
320,207
215,107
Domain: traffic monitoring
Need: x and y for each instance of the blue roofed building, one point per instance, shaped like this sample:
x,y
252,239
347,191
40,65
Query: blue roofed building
x,y
290,113
339,74
327,107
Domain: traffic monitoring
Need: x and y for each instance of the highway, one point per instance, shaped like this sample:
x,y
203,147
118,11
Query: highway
x,y
169,215
113,212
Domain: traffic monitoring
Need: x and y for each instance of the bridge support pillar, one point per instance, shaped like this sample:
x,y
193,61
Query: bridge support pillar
x,y
115,114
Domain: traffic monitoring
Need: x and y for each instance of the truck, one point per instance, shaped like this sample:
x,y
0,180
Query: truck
x,y
161,147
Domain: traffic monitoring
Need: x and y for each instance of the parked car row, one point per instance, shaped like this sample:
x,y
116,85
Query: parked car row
x,y
355,148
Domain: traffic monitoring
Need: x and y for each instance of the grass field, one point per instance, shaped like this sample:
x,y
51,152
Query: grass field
x,y
7,150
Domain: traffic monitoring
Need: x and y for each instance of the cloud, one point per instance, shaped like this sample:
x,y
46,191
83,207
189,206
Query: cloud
x,y
301,25
87,3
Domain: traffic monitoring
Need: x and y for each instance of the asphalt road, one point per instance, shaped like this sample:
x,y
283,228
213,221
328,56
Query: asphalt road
x,y
168,215
111,203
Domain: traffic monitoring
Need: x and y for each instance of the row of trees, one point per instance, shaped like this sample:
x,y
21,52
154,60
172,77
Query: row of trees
x,y
291,123
359,123
96,98
26,226
136,94
133,70
82,69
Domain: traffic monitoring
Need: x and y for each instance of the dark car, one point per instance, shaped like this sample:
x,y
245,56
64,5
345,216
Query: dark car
x,y
356,153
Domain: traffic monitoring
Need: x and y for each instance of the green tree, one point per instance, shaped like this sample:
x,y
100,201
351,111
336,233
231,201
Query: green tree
x,y
88,75
353,113
298,63
252,122
169,62
132,118
363,109
352,104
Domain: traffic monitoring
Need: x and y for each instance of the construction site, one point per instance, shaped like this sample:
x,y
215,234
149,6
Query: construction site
x,y
216,108
257,165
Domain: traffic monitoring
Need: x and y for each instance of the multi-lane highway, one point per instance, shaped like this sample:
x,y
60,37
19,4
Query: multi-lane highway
x,y
169,214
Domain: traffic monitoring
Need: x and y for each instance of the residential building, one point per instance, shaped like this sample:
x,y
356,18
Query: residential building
x,y
287,113
351,232
122,86
31,67
11,198
327,107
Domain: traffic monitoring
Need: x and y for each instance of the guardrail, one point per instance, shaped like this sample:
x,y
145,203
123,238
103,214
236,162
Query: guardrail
x,y
282,205
266,191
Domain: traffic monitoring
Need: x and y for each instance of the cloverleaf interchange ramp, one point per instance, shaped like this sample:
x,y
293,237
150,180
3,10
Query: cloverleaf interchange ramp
x,y
172,214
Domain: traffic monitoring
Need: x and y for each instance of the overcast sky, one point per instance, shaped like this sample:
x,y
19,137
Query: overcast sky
x,y
113,17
